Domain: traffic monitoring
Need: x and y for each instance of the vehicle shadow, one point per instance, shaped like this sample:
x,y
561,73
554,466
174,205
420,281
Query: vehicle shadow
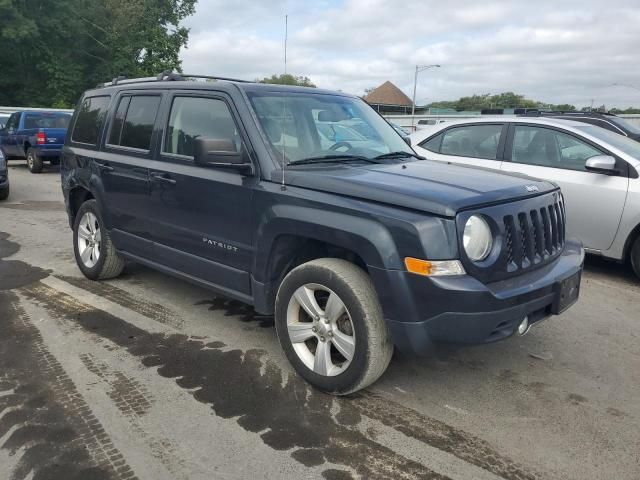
x,y
611,269
21,164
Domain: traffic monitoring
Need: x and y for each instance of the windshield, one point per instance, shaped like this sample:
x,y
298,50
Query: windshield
x,y
301,126
622,143
47,120
630,127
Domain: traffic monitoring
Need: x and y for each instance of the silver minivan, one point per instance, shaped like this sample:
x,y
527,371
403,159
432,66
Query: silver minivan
x,y
596,169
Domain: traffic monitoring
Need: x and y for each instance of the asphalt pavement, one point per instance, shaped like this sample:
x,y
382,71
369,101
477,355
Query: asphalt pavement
x,y
149,377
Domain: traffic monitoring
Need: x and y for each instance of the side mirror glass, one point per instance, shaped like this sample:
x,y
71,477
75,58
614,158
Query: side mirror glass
x,y
605,164
216,152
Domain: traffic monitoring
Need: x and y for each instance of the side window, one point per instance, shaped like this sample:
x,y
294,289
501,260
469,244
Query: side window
x,y
13,121
433,144
478,141
550,148
133,122
192,118
89,120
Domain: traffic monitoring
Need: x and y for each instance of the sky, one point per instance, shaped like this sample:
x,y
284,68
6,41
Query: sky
x,y
549,50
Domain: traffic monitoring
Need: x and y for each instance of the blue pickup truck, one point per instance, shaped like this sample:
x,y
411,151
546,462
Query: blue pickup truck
x,y
36,136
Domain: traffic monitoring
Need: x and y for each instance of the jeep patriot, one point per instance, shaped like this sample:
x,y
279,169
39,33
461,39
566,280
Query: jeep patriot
x,y
308,205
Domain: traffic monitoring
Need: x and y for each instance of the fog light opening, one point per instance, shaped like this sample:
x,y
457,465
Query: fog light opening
x,y
524,326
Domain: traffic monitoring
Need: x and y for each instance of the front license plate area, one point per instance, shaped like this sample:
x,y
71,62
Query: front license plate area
x,y
567,292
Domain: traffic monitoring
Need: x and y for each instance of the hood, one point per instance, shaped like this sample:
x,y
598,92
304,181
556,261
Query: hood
x,y
435,187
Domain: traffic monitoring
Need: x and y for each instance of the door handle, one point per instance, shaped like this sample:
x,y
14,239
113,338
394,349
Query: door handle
x,y
162,178
105,167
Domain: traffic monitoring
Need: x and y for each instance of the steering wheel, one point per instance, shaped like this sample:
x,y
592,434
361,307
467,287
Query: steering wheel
x,y
338,145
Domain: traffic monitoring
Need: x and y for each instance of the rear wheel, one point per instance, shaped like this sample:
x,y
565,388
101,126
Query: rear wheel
x,y
96,255
34,162
635,256
330,325
4,194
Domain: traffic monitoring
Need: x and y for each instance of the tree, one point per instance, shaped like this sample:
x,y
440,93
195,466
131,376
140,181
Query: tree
x,y
500,100
51,53
288,79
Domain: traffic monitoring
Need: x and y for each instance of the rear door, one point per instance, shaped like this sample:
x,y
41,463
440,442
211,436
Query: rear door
x,y
124,168
474,144
201,215
593,201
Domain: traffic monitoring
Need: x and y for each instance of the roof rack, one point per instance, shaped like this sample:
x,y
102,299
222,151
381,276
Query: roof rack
x,y
166,76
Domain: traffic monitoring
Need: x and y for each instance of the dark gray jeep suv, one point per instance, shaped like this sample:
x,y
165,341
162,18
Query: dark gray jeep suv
x,y
264,193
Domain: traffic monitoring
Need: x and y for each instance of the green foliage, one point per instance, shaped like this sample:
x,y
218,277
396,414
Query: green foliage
x,y
53,50
288,79
500,100
625,110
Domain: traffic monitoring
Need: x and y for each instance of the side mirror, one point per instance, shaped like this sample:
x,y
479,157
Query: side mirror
x,y
219,153
605,164
407,140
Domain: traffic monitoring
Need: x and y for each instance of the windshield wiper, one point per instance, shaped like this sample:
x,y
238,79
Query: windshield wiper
x,y
331,158
398,154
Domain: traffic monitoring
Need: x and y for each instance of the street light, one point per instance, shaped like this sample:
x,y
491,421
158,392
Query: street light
x,y
419,68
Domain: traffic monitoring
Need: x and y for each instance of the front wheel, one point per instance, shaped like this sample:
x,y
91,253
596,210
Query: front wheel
x,y
34,162
330,325
635,256
96,255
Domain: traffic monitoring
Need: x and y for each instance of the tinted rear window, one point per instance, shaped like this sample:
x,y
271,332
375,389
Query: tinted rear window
x,y
89,120
46,120
134,120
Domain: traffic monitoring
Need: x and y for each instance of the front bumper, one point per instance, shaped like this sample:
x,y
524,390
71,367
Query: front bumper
x,y
421,311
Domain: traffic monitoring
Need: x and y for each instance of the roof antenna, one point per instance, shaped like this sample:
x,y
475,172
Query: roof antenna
x,y
284,141
286,31
284,110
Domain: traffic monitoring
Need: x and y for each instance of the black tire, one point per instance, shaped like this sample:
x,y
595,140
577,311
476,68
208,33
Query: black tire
x,y
373,346
4,194
109,264
34,162
634,256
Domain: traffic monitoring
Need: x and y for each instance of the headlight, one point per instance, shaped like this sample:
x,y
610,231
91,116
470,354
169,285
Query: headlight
x,y
477,239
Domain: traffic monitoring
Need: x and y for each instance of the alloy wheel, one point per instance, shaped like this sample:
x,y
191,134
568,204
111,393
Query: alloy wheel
x,y
321,329
89,239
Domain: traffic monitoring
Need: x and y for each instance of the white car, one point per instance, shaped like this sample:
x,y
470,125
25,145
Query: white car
x,y
596,169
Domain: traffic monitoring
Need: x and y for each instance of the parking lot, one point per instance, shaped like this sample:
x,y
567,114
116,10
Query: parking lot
x,y
149,377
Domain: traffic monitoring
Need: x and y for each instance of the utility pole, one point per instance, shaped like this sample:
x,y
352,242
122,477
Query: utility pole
x,y
419,68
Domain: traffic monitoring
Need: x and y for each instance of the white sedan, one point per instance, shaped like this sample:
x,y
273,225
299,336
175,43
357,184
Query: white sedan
x,y
596,169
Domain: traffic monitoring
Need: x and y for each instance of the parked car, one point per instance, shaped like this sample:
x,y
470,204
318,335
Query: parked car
x,y
608,121
354,251
4,178
36,136
596,169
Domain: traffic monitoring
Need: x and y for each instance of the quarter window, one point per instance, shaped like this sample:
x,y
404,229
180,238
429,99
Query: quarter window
x,y
550,148
133,122
433,144
89,120
192,118
478,141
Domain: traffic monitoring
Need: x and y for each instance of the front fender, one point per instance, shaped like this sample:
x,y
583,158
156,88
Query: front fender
x,y
369,239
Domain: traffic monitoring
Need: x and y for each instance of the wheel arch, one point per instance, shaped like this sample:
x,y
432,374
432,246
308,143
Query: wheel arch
x,y
290,240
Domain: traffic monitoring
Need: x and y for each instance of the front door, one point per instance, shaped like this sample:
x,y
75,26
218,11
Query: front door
x,y
8,136
201,216
593,201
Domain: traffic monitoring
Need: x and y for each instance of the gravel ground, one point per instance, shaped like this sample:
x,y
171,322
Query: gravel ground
x,y
149,377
